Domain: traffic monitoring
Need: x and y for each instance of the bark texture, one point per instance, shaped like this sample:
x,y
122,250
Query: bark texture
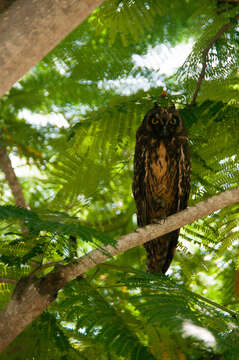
x,y
29,29
30,298
33,295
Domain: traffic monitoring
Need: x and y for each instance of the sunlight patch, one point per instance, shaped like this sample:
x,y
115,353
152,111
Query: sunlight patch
x,y
163,58
42,120
22,169
198,332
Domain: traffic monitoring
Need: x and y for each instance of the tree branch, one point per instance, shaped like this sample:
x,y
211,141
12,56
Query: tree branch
x,y
6,166
12,180
29,29
149,232
33,295
223,29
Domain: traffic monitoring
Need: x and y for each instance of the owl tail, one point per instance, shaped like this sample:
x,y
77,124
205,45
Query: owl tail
x,y
160,252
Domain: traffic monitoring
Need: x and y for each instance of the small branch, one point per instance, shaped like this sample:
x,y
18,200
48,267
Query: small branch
x,y
223,29
6,166
8,280
12,180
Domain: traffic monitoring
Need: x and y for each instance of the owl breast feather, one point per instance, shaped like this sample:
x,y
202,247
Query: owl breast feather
x,y
161,179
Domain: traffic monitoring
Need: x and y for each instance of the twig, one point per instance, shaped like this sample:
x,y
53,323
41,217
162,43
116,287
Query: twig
x,y
223,29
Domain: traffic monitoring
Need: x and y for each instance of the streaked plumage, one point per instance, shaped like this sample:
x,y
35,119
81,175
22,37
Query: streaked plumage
x,y
161,182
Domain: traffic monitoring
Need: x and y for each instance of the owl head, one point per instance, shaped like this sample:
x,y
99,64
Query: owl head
x,y
163,122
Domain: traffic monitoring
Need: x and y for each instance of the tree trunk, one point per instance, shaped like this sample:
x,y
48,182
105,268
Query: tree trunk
x,y
29,29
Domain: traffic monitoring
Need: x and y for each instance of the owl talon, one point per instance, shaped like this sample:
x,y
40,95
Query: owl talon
x,y
159,221
155,221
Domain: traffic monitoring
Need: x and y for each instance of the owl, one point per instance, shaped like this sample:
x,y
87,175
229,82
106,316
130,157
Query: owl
x,y
161,183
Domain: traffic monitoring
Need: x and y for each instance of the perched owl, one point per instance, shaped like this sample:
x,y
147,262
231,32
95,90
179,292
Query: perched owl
x,y
161,181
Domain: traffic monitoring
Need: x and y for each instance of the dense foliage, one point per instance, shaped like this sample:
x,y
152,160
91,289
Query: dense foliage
x,y
80,186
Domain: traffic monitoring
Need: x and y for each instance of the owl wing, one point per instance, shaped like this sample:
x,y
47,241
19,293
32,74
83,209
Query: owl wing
x,y
139,189
184,170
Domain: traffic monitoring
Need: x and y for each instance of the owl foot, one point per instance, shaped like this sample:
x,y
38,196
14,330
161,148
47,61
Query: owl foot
x,y
159,221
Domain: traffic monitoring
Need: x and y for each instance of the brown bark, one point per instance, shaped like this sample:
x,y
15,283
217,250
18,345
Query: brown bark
x,y
6,166
29,29
32,296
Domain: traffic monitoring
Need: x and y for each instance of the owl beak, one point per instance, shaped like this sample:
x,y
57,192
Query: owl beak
x,y
164,130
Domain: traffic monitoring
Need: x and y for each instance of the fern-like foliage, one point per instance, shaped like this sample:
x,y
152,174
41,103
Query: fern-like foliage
x,y
107,316
45,237
117,330
49,342
170,305
104,141
53,223
136,317
127,18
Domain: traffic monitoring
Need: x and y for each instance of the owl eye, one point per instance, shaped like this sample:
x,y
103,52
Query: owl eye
x,y
155,121
173,121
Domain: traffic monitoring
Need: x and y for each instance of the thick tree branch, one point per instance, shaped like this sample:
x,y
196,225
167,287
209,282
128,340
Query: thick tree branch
x,y
223,29
6,166
33,295
29,29
142,235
